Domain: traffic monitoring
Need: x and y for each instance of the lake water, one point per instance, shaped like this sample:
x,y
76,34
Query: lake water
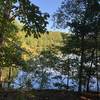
x,y
49,84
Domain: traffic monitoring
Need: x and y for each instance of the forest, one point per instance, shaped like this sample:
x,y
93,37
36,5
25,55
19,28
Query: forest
x,y
38,64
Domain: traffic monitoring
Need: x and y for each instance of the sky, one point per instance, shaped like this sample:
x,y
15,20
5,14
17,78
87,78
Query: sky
x,y
49,6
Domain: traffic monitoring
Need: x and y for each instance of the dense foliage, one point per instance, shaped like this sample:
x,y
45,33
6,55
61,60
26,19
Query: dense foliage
x,y
34,21
83,18
56,60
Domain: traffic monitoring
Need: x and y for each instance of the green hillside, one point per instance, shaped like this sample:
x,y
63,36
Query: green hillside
x,y
46,41
34,47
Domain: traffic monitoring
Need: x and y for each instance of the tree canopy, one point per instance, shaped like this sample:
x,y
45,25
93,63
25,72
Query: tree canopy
x,y
34,21
83,18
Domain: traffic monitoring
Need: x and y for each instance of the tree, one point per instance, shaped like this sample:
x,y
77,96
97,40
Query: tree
x,y
34,21
27,13
82,16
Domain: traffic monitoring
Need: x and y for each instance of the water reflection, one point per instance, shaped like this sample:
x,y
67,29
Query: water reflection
x,y
26,80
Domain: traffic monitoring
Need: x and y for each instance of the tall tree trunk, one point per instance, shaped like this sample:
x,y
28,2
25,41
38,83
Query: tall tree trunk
x,y
89,74
68,74
96,62
6,16
81,64
9,77
0,78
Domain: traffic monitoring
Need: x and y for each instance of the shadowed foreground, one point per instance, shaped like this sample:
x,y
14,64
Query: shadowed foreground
x,y
47,95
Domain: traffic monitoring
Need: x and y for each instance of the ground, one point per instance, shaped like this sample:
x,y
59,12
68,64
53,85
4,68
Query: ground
x,y
47,95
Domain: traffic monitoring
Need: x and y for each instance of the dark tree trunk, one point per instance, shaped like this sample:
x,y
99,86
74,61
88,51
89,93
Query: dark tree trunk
x,y
96,62
81,64
68,74
9,77
89,73
0,78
